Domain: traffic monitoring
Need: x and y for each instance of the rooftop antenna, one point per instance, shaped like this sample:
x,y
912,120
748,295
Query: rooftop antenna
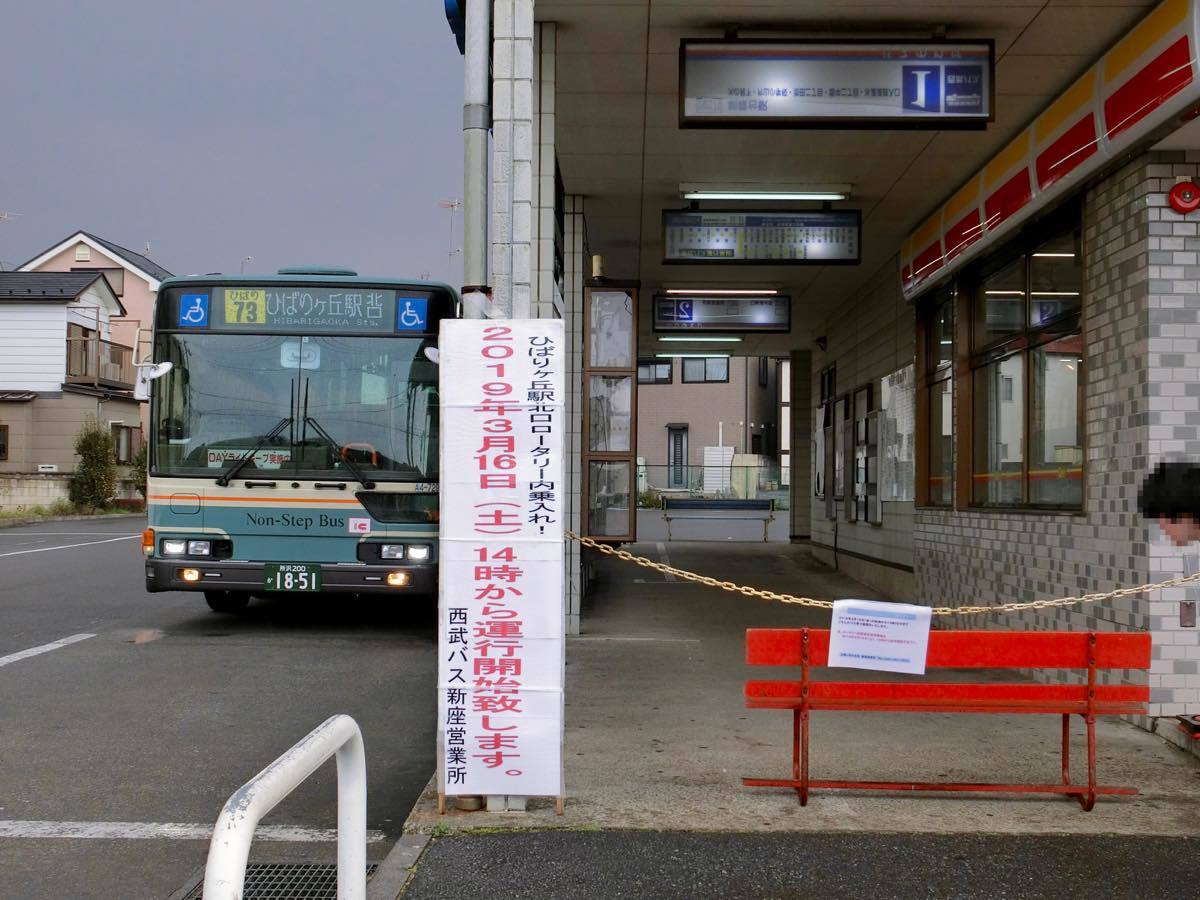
x,y
6,217
453,204
146,251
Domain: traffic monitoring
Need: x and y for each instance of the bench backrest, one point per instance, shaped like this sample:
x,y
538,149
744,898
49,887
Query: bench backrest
x,y
716,503
969,649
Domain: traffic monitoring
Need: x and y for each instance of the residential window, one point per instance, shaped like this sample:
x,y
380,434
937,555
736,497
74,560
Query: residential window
x,y
655,371
711,369
3,443
126,442
1026,358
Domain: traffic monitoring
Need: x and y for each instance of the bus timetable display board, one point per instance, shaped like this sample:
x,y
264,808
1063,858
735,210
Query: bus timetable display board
x,y
820,237
836,84
310,309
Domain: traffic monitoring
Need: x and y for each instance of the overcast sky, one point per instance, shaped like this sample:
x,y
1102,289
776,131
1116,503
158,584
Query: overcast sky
x,y
293,131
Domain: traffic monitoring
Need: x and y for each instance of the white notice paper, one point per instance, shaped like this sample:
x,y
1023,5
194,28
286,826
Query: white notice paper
x,y
887,637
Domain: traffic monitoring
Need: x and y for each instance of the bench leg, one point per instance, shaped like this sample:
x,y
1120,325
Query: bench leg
x,y
1088,800
1066,748
804,758
800,753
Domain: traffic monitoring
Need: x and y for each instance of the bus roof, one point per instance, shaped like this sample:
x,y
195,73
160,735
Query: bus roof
x,y
309,275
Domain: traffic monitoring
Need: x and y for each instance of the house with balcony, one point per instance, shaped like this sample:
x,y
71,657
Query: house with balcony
x,y
134,278
59,365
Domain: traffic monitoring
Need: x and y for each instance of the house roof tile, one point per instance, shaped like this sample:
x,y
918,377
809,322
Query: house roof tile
x,y
50,286
145,263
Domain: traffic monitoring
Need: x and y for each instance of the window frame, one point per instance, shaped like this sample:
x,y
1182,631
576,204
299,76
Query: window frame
x,y
4,442
683,378
972,352
133,435
655,363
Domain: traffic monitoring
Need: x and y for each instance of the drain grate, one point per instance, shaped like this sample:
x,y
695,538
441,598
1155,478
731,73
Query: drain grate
x,y
286,881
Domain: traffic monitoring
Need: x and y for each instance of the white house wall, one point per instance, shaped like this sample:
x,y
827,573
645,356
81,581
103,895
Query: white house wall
x,y
33,346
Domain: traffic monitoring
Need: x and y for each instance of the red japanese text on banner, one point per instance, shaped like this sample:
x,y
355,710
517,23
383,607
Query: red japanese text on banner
x,y
501,646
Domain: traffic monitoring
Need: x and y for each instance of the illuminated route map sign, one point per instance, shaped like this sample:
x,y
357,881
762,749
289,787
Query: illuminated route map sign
x,y
819,237
835,84
675,313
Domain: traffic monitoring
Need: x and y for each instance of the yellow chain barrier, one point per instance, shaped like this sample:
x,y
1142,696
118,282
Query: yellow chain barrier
x,y
730,586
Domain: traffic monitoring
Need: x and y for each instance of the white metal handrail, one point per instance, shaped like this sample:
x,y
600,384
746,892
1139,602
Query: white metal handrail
x,y
225,872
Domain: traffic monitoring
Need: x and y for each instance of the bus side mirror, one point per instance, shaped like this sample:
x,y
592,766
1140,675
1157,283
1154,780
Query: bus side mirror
x,y
146,373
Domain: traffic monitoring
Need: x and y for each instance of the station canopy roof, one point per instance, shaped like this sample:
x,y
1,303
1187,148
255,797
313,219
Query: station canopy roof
x,y
619,143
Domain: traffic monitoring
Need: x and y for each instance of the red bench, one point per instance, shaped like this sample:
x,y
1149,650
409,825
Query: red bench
x,y
808,648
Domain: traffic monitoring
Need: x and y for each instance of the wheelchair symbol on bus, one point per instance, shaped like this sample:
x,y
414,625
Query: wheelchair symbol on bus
x,y
412,313
193,311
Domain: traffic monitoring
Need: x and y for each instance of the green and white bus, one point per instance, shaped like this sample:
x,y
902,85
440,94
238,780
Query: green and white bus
x,y
294,435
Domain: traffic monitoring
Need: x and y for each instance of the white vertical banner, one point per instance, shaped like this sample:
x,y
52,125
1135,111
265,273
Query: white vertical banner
x,y
500,616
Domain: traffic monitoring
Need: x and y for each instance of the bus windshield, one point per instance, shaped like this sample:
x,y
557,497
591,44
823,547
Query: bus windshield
x,y
296,406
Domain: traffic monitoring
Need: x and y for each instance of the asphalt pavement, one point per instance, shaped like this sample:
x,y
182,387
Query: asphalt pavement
x,y
122,736
569,865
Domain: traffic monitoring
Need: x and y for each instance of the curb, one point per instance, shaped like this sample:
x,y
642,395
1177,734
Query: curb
x,y
393,874
37,520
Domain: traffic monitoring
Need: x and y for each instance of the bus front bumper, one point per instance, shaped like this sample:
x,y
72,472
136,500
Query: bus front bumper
x,y
227,575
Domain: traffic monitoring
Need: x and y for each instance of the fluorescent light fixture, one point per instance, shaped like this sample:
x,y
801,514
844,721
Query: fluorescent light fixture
x,y
1054,293
823,192
1054,256
1005,293
723,292
676,355
700,340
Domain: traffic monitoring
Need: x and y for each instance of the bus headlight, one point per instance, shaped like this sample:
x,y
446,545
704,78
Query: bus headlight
x,y
174,548
399,579
199,548
190,575
391,551
418,551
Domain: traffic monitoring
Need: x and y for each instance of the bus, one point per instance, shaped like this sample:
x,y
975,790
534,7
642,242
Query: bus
x,y
293,443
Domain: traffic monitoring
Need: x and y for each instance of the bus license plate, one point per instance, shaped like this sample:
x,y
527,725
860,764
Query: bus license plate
x,y
292,577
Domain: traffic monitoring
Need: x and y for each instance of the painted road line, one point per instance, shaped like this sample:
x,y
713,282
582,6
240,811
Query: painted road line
x,y
15,533
44,648
124,537
151,831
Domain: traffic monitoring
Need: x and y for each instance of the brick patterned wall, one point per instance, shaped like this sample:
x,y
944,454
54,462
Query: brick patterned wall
x,y
1142,335
871,339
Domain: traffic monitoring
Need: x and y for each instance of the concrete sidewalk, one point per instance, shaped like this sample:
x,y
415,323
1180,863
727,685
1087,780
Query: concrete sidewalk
x,y
657,736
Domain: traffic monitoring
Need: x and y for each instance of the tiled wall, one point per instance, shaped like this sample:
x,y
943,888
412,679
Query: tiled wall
x,y
1142,336
872,339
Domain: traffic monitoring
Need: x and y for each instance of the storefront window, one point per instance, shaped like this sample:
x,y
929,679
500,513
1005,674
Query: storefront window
x,y
999,438
1027,445
1000,304
1055,277
941,443
1056,446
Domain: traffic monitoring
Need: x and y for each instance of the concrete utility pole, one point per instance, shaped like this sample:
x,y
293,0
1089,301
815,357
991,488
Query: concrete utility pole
x,y
477,119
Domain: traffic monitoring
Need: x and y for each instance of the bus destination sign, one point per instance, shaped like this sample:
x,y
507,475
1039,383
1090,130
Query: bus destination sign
x,y
279,307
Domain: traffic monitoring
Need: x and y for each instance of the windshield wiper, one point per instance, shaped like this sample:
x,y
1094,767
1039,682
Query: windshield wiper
x,y
345,457
307,420
227,477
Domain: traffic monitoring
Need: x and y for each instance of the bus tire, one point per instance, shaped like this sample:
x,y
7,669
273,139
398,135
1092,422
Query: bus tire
x,y
227,601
